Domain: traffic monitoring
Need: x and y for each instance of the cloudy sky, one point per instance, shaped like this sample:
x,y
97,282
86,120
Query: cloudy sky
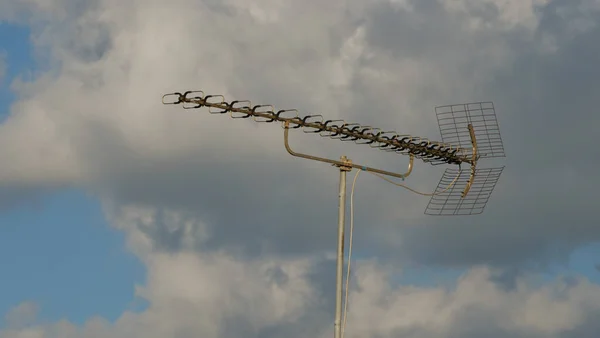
x,y
121,217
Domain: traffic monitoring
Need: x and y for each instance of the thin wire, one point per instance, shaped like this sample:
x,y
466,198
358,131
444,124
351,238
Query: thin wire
x,y
349,251
415,191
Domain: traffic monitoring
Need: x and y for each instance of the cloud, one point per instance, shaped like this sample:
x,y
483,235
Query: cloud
x,y
393,61
220,294
197,191
96,122
22,315
216,295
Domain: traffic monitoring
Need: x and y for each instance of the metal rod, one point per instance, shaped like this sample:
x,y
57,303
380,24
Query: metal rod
x,y
421,148
340,250
473,159
343,164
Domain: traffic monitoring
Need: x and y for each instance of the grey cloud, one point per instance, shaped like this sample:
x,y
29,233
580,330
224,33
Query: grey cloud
x,y
544,207
252,198
238,212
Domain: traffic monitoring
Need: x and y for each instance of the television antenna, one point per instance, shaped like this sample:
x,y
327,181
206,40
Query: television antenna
x,y
469,132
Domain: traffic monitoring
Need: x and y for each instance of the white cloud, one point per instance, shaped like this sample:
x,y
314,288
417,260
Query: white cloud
x,y
222,295
22,315
219,296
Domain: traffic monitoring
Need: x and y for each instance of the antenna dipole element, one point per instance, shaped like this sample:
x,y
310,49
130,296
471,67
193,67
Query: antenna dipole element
x,y
422,148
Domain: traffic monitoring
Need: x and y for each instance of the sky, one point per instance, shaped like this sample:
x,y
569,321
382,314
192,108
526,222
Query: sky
x,y
121,217
15,39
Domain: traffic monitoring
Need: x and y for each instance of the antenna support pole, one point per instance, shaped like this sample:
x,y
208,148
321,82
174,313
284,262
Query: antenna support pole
x,y
340,248
344,165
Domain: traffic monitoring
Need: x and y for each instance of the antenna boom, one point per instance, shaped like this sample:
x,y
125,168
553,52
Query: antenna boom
x,y
426,150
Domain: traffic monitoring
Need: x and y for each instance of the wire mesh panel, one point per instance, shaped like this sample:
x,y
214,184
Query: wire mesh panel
x,y
451,203
453,121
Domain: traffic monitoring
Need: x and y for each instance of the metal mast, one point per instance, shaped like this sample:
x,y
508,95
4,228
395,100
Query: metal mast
x,y
469,133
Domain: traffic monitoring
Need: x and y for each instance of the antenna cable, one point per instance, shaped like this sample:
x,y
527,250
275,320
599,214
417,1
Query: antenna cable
x,y
413,190
349,251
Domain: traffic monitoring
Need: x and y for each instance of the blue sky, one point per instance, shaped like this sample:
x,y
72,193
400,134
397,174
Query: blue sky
x,y
60,253
14,43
